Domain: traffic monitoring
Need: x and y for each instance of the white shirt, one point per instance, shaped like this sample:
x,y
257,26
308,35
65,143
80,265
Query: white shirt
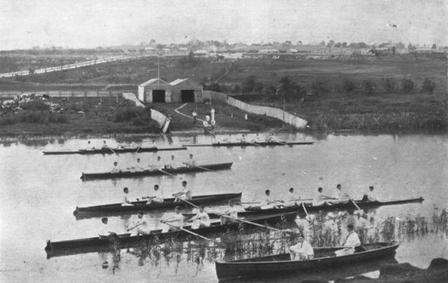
x,y
292,198
177,220
319,199
304,249
371,196
232,212
187,192
352,240
203,218
342,195
104,230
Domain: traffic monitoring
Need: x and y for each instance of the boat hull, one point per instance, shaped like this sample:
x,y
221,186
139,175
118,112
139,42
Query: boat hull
x,y
156,172
244,144
281,264
169,203
113,150
123,241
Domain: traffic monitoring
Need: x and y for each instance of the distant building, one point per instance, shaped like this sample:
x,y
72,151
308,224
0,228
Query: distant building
x,y
179,90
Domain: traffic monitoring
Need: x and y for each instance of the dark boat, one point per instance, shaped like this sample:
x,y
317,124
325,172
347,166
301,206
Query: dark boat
x,y
243,144
324,259
114,150
157,172
334,207
365,205
123,241
140,205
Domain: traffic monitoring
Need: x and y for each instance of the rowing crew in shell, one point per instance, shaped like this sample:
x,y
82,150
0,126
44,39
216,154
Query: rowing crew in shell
x,y
156,166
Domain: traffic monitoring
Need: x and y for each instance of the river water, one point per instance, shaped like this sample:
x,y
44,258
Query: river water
x,y
39,194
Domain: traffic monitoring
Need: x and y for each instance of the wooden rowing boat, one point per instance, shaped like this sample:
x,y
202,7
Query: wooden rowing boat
x,y
334,207
123,241
141,205
244,144
256,211
324,259
157,172
114,150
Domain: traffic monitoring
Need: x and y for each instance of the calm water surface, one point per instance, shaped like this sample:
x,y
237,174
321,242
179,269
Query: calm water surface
x,y
39,194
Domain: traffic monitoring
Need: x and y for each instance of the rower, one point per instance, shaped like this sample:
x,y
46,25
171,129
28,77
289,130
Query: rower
x,y
352,242
158,164
172,163
370,195
126,202
341,196
268,202
302,250
89,146
191,162
104,232
140,224
201,219
321,199
232,212
186,192
176,221
156,196
115,169
292,199
105,145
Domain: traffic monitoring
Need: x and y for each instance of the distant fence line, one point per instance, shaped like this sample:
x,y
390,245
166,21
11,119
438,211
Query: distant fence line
x,y
273,112
71,66
65,93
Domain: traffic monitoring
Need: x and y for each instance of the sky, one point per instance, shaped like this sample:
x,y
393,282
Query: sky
x,y
93,23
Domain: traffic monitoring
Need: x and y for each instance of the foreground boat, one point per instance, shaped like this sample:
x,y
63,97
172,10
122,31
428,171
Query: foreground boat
x,y
123,241
157,172
324,259
119,209
114,150
241,144
310,208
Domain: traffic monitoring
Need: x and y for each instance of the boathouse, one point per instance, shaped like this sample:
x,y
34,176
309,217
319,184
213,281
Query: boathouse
x,y
179,90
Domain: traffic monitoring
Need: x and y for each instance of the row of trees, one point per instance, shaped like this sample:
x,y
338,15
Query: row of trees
x,y
291,91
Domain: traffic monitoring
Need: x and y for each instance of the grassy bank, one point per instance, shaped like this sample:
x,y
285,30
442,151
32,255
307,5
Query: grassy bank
x,y
80,116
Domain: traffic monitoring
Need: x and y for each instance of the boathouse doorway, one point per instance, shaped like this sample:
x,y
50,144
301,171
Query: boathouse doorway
x,y
187,95
158,96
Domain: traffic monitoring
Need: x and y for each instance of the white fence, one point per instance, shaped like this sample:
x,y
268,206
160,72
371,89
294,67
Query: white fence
x,y
284,116
64,93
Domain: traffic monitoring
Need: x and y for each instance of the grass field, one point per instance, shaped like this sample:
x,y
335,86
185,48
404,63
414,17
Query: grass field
x,y
332,106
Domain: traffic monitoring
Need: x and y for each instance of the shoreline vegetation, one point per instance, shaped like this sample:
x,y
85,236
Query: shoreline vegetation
x,y
367,94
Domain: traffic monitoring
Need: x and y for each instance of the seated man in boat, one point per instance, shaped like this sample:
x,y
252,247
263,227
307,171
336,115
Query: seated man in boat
x,y
115,169
175,221
232,212
292,199
155,197
157,165
126,201
89,146
268,202
172,163
352,242
191,162
341,195
201,219
105,230
140,225
185,194
370,195
104,146
321,199
136,167
302,250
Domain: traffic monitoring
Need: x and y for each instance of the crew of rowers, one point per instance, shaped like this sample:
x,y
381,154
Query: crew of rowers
x,y
156,195
292,199
158,165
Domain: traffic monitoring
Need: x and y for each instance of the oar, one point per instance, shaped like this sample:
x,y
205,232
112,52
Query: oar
x,y
186,201
187,231
354,203
132,228
250,222
200,167
138,148
113,151
167,173
304,209
237,219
